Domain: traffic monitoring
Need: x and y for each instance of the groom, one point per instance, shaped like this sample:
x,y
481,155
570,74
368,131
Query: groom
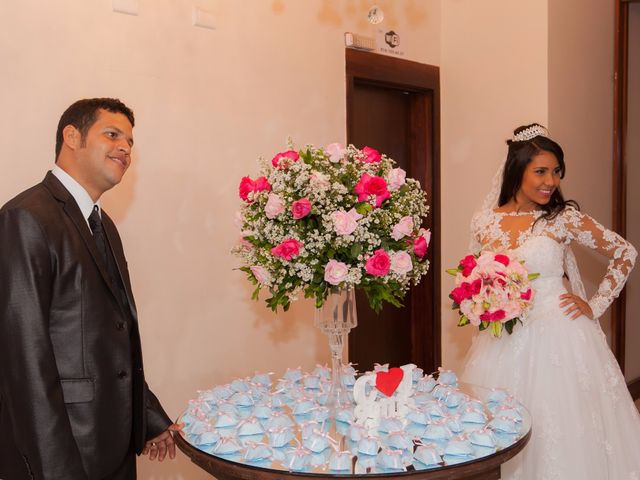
x,y
74,403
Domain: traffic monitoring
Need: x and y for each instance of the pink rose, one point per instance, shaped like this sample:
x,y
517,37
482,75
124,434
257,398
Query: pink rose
x,y
319,181
401,262
493,316
459,294
288,249
396,179
284,159
371,155
476,286
335,272
526,295
300,208
503,259
371,185
336,152
274,206
261,274
420,247
248,186
403,228
466,290
421,244
262,184
378,264
345,223
468,263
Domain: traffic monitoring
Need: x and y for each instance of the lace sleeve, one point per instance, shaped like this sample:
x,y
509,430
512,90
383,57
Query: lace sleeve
x,y
586,231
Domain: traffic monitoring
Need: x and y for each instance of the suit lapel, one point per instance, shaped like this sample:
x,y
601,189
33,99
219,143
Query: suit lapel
x,y
72,210
115,245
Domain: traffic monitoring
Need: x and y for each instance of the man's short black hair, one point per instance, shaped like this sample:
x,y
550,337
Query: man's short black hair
x,y
83,113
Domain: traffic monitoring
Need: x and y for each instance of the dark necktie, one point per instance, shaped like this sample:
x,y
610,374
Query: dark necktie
x,y
95,222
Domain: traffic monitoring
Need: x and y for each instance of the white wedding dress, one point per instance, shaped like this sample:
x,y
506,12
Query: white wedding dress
x,y
585,424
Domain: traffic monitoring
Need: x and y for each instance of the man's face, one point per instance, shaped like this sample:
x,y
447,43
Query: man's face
x,y
105,153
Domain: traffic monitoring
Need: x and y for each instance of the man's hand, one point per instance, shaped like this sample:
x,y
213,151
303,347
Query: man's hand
x,y
162,444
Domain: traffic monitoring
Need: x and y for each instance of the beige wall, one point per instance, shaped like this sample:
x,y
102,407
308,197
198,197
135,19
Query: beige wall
x,y
207,104
494,78
632,368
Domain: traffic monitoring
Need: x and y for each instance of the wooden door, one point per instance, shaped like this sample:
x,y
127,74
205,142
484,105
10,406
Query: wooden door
x,y
392,106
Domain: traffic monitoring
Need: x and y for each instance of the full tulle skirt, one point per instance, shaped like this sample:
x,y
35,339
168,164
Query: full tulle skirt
x,y
585,424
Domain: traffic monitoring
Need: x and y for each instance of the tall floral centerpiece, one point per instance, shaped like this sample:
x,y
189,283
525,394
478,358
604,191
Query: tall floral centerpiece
x,y
321,221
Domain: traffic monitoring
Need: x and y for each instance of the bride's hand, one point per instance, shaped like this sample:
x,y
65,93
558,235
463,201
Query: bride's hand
x,y
577,306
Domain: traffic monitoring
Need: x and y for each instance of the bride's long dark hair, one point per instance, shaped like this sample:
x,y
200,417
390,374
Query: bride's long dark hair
x,y
519,156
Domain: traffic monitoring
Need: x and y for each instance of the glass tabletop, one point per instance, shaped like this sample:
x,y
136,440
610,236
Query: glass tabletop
x,y
449,425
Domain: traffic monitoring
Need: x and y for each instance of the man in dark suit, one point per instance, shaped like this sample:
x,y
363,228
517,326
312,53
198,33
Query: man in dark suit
x,y
74,403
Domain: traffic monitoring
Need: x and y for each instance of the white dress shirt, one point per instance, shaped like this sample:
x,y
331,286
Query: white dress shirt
x,y
77,191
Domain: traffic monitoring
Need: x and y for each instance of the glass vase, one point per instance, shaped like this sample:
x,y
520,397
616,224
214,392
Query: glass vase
x,y
335,318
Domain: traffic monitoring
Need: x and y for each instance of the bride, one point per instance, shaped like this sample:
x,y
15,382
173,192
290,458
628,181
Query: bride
x,y
585,424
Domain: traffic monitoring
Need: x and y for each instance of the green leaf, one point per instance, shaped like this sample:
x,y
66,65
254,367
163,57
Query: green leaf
x,y
452,271
509,326
378,293
363,208
256,293
356,249
483,325
463,321
306,156
496,329
533,276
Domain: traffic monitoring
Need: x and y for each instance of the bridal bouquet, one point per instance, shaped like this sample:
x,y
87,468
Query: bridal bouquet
x,y
334,217
492,291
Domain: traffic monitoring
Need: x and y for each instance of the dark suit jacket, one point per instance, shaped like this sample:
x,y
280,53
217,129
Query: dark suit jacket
x,y
72,392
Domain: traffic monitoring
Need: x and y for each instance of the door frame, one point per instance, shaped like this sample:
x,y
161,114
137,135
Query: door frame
x,y
391,72
619,177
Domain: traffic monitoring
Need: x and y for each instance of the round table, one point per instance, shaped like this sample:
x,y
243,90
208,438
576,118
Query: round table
x,y
485,468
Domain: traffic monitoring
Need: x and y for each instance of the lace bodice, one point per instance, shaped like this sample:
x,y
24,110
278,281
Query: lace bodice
x,y
497,231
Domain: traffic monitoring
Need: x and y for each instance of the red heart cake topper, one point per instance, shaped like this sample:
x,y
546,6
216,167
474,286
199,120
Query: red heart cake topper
x,y
387,382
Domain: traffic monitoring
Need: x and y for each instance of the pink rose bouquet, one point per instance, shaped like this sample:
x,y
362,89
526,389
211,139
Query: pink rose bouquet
x,y
492,291
318,219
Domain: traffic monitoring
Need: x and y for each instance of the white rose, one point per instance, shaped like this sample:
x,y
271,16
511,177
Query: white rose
x,y
345,222
274,206
396,179
336,152
401,262
319,181
335,272
403,228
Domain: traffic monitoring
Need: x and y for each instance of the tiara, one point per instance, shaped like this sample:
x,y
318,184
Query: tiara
x,y
529,133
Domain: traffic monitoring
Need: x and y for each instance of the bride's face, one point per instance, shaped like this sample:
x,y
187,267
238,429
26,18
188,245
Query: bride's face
x,y
540,179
